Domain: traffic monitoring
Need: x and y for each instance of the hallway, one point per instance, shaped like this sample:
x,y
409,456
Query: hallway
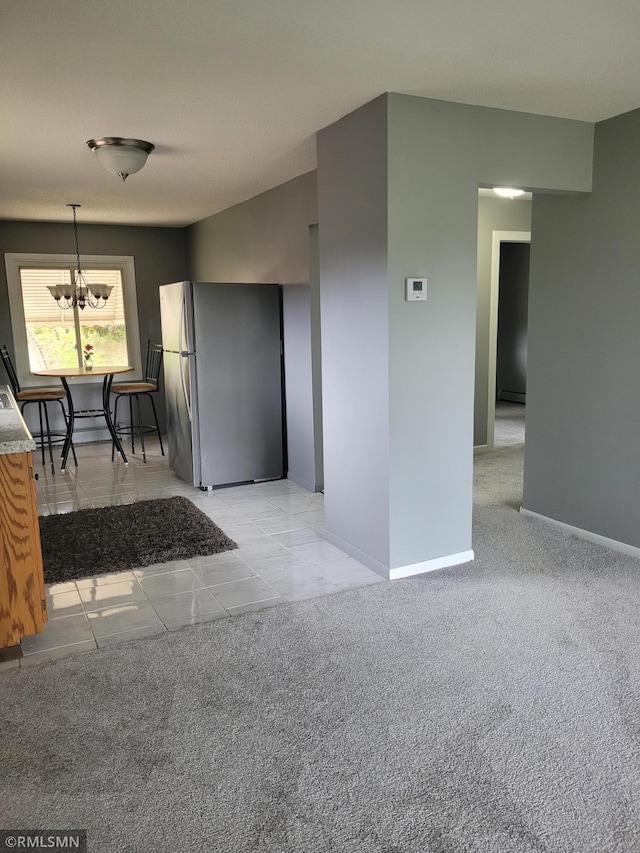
x,y
509,428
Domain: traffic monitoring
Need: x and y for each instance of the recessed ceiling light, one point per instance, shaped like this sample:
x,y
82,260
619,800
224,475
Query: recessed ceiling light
x,y
507,192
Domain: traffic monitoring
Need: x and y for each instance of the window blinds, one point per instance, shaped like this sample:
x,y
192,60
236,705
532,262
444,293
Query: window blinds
x,y
40,308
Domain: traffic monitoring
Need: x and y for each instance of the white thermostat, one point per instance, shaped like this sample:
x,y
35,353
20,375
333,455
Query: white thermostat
x,y
416,290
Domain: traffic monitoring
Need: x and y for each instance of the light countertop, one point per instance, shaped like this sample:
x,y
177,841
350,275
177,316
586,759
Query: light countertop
x,y
14,433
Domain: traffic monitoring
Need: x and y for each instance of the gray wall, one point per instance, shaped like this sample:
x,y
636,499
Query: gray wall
x,y
494,214
267,234
267,239
298,384
397,195
582,463
511,356
159,255
264,239
352,208
316,354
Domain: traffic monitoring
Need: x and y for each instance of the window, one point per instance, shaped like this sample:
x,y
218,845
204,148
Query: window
x,y
49,336
56,336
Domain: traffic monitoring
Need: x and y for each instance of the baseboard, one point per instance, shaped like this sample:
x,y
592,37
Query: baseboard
x,y
480,448
431,565
309,485
614,544
402,571
512,396
88,435
366,559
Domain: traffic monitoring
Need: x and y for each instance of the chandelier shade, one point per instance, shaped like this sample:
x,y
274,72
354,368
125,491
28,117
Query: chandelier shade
x,y
122,157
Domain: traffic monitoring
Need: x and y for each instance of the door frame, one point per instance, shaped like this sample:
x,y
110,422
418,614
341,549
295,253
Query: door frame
x,y
498,237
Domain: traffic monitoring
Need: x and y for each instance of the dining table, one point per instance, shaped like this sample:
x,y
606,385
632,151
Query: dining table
x,y
107,372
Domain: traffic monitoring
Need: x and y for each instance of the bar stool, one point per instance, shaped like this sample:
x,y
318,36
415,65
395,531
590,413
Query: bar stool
x,y
41,396
134,389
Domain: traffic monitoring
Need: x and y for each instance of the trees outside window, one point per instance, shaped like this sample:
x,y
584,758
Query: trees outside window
x,y
56,336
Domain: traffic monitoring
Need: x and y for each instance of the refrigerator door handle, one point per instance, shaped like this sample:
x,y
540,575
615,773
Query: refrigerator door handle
x,y
182,356
181,323
184,389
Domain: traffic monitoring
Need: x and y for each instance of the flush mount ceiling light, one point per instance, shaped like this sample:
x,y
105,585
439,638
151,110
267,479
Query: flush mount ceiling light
x,y
122,157
508,192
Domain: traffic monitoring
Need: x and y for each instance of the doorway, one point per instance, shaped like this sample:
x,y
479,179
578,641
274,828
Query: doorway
x,y
507,337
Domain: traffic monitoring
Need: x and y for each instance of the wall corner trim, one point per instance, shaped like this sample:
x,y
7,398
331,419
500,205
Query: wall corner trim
x,y
362,557
613,544
431,565
402,571
309,485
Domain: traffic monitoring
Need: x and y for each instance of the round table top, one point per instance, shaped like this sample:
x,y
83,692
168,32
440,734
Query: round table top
x,y
97,370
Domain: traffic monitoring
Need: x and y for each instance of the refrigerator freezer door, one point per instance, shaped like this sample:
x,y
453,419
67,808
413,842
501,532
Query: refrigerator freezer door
x,y
172,313
238,382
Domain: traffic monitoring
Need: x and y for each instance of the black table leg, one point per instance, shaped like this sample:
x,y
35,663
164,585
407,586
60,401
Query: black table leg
x,y
106,391
69,435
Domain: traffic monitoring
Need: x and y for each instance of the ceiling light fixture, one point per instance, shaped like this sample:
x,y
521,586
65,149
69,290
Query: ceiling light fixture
x,y
508,192
122,157
81,294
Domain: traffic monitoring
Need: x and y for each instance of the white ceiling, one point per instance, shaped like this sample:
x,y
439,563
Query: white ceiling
x,y
231,92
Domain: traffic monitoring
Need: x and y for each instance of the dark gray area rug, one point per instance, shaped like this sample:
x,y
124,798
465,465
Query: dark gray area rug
x,y
488,708
115,538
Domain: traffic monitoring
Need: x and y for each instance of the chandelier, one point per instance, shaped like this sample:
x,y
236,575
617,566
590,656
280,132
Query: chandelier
x,y
80,294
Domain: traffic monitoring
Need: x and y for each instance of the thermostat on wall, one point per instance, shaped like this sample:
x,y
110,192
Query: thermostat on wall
x,y
416,290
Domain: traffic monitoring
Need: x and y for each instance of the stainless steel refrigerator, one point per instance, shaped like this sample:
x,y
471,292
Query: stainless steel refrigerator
x,y
222,359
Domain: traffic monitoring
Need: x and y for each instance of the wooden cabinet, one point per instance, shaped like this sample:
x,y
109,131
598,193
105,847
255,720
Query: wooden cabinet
x,y
22,590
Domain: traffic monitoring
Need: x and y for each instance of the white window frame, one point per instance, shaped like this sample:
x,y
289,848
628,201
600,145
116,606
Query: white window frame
x,y
13,263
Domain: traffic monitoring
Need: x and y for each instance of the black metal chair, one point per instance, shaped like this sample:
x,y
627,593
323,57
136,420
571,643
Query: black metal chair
x,y
41,396
134,389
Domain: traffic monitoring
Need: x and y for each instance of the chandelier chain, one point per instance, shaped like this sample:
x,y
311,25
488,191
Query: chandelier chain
x,y
75,231
80,294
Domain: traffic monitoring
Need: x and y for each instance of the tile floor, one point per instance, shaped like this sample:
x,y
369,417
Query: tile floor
x,y
282,556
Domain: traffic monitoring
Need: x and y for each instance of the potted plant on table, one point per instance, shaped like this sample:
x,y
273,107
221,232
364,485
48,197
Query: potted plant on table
x,y
87,353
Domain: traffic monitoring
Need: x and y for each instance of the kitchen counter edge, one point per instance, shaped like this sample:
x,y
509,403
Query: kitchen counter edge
x,y
14,433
